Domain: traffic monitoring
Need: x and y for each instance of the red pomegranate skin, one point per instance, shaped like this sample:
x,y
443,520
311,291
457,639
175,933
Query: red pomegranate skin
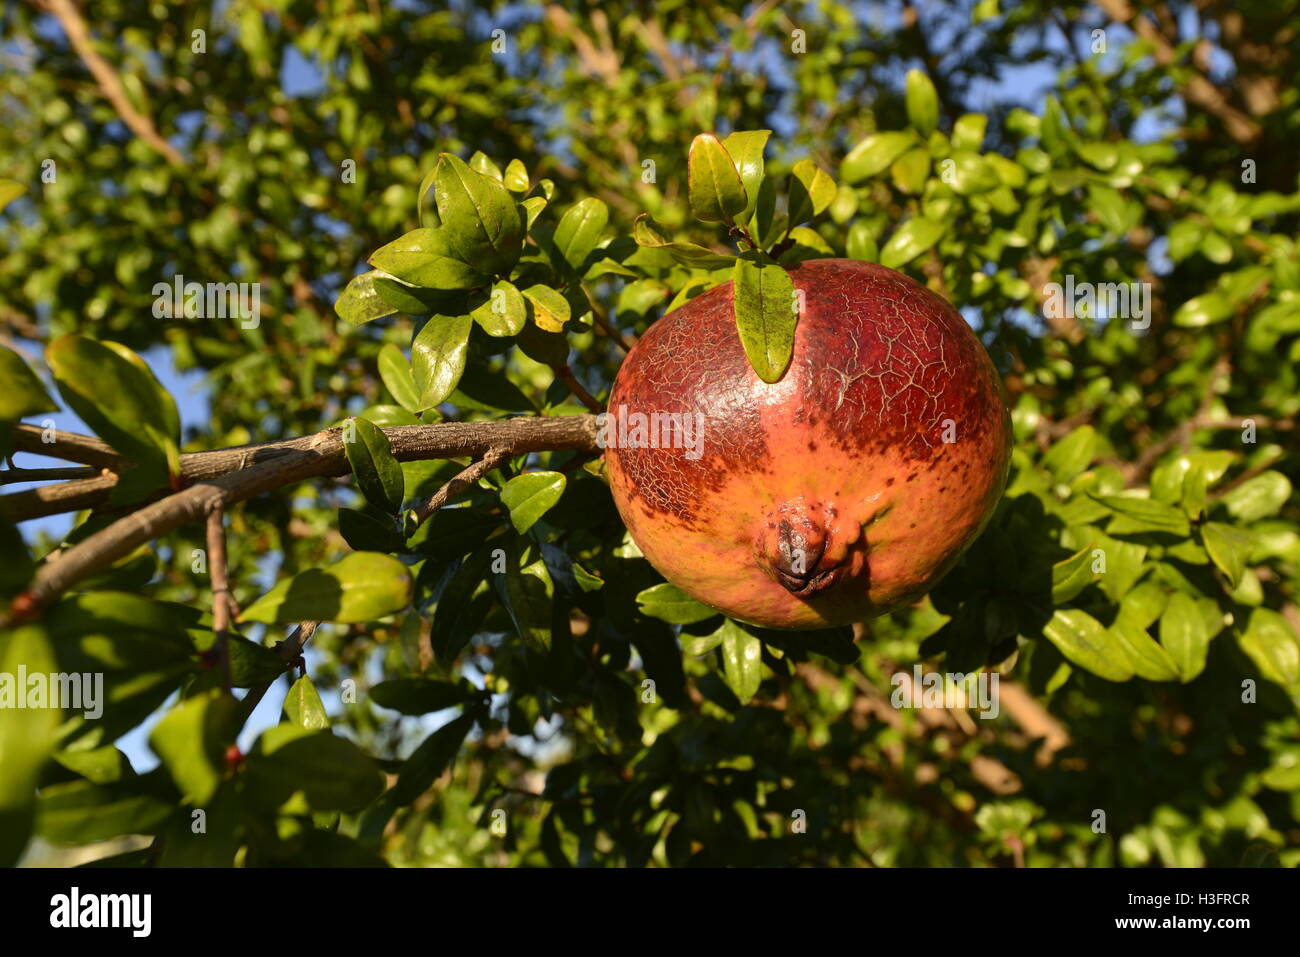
x,y
843,490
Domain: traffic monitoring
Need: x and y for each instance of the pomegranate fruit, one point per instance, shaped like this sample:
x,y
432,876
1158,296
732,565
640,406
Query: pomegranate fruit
x,y
843,490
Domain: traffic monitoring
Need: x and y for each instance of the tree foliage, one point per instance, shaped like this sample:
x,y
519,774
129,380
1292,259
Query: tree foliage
x,y
464,215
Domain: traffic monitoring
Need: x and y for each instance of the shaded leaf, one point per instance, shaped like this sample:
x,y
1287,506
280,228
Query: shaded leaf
x,y
395,371
361,587
378,474
21,392
669,603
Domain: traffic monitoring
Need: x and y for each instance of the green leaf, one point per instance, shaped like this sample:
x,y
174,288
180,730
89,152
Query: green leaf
x,y
968,131
515,178
1168,478
462,605
1203,311
420,695
483,390
360,302
331,772
438,358
922,102
430,759
1085,641
1070,456
100,765
910,240
695,646
579,231
648,234
1185,636
1071,576
121,401
586,580
1103,156
532,207
861,244
361,587
530,496
548,348
304,708
1110,207
119,630
911,170
19,567
550,309
503,313
1258,497
1216,249
252,664
81,812
10,189
425,257
27,736
1149,659
1271,644
378,474
811,191
742,661
528,596
716,192
669,603
21,391
746,151
479,215
874,155
480,162
191,740
411,300
1228,548
1135,515
364,531
969,173
766,315
395,372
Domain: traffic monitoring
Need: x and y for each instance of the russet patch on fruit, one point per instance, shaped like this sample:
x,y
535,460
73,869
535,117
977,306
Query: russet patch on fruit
x,y
843,490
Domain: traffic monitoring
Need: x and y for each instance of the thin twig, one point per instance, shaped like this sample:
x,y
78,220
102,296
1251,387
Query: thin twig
x,y
455,485
289,650
13,476
55,499
69,446
66,12
220,590
565,374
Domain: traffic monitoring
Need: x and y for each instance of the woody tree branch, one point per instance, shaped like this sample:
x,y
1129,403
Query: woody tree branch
x,y
1198,89
69,17
254,470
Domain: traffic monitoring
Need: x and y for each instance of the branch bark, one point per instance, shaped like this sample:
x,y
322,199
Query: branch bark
x,y
459,482
216,538
252,470
446,440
